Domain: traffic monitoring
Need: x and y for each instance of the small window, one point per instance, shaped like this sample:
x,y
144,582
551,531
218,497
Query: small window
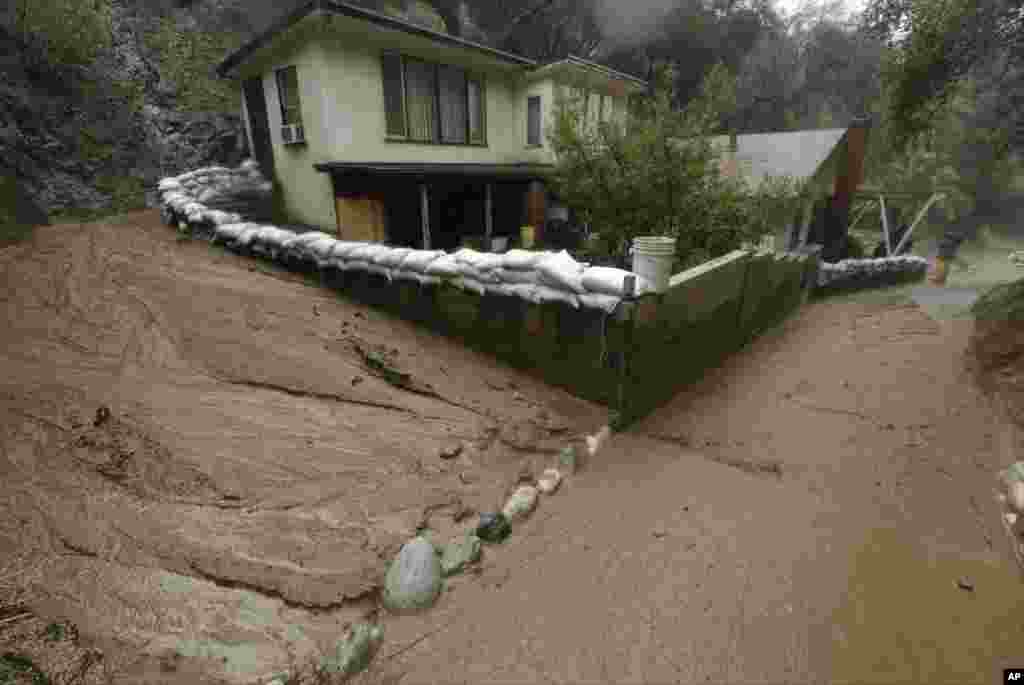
x,y
454,118
288,94
533,120
477,121
394,96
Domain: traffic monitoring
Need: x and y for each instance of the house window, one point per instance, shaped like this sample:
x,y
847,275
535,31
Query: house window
x,y
533,120
394,96
288,94
432,103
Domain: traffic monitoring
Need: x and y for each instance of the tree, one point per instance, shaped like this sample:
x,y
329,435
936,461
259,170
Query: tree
x,y
65,32
658,175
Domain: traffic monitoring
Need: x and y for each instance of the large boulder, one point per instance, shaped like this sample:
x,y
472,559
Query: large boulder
x,y
414,579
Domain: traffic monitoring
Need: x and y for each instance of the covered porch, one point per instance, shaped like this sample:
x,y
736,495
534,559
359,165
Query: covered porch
x,y
436,205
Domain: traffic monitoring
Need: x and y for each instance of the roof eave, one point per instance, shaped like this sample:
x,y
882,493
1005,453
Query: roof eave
x,y
333,8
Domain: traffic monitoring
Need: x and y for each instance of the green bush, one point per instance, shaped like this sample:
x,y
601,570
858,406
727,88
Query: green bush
x,y
188,57
69,32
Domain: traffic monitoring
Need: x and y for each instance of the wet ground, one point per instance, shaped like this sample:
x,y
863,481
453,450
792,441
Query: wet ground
x,y
820,509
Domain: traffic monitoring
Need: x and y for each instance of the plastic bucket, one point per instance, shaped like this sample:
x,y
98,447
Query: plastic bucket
x,y
527,236
653,258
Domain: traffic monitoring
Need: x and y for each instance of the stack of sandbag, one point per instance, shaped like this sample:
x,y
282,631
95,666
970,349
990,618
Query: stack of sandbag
x,y
868,272
1011,499
216,195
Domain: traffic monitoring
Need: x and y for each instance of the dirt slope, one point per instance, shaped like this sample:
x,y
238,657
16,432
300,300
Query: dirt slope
x,y
254,476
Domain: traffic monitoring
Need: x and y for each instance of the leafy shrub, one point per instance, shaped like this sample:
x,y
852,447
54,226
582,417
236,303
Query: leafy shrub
x,y
69,32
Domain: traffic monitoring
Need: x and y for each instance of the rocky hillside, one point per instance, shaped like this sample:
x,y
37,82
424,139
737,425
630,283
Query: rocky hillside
x,y
84,138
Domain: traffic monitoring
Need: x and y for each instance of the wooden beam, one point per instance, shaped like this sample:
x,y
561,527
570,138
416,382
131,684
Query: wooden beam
x,y
488,215
885,226
917,219
425,216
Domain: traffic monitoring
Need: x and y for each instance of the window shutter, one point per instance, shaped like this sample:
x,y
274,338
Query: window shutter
x,y
394,100
420,83
477,111
453,104
533,120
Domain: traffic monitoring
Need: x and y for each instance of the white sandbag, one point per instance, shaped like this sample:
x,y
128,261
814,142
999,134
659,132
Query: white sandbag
x,y
169,184
249,165
606,303
605,280
523,290
343,248
322,247
308,237
418,260
229,231
446,266
470,285
366,252
350,265
381,256
562,270
506,275
480,261
549,294
497,288
244,237
393,257
522,259
379,270
427,279
404,275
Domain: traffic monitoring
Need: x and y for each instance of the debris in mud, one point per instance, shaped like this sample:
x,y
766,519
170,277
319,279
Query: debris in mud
x,y
521,503
356,380
451,452
462,512
102,415
414,579
356,651
459,554
549,481
567,459
965,584
493,527
659,532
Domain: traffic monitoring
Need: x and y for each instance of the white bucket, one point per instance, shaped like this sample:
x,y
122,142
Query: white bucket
x,y
653,258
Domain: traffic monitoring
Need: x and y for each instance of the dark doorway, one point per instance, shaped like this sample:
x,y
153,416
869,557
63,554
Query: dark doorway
x,y
256,106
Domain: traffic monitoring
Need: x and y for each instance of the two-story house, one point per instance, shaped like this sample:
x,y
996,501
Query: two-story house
x,y
387,131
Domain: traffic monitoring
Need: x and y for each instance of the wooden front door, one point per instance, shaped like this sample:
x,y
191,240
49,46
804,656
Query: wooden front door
x,y
256,107
361,218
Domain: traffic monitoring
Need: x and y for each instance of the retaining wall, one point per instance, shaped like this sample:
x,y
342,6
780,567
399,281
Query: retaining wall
x,y
631,360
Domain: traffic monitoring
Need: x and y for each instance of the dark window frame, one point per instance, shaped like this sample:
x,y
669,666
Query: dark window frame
x,y
282,91
470,141
530,141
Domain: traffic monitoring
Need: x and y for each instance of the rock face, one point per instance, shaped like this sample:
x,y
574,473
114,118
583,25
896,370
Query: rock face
x,y
414,579
99,137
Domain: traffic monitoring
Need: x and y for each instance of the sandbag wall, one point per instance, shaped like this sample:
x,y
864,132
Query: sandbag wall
x,y
858,274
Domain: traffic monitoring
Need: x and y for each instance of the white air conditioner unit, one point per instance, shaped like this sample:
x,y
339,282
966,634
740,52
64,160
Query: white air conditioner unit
x,y
292,134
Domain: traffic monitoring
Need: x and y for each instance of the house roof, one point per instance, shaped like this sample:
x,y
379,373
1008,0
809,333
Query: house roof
x,y
335,7
799,154
519,171
579,62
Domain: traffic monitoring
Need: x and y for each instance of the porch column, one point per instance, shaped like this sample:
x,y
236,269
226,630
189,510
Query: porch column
x,y
488,215
425,216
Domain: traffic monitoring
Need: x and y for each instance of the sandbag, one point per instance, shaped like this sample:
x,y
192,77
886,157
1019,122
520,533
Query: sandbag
x,y
445,266
379,270
480,261
469,284
606,303
244,237
418,260
366,252
548,294
393,257
522,259
497,288
350,265
523,290
561,270
343,248
605,280
506,275
321,248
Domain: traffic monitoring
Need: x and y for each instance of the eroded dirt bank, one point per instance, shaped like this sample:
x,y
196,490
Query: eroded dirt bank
x,y
254,476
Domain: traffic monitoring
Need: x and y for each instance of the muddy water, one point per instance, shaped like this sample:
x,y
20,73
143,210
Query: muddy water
x,y
905,620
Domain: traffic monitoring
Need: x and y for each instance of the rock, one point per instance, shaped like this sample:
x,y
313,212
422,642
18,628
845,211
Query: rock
x,y
549,481
451,452
414,579
493,527
355,652
459,553
521,503
567,459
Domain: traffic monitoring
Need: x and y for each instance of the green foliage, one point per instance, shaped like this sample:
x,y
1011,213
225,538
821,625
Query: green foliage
x,y
659,175
187,58
14,668
69,32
